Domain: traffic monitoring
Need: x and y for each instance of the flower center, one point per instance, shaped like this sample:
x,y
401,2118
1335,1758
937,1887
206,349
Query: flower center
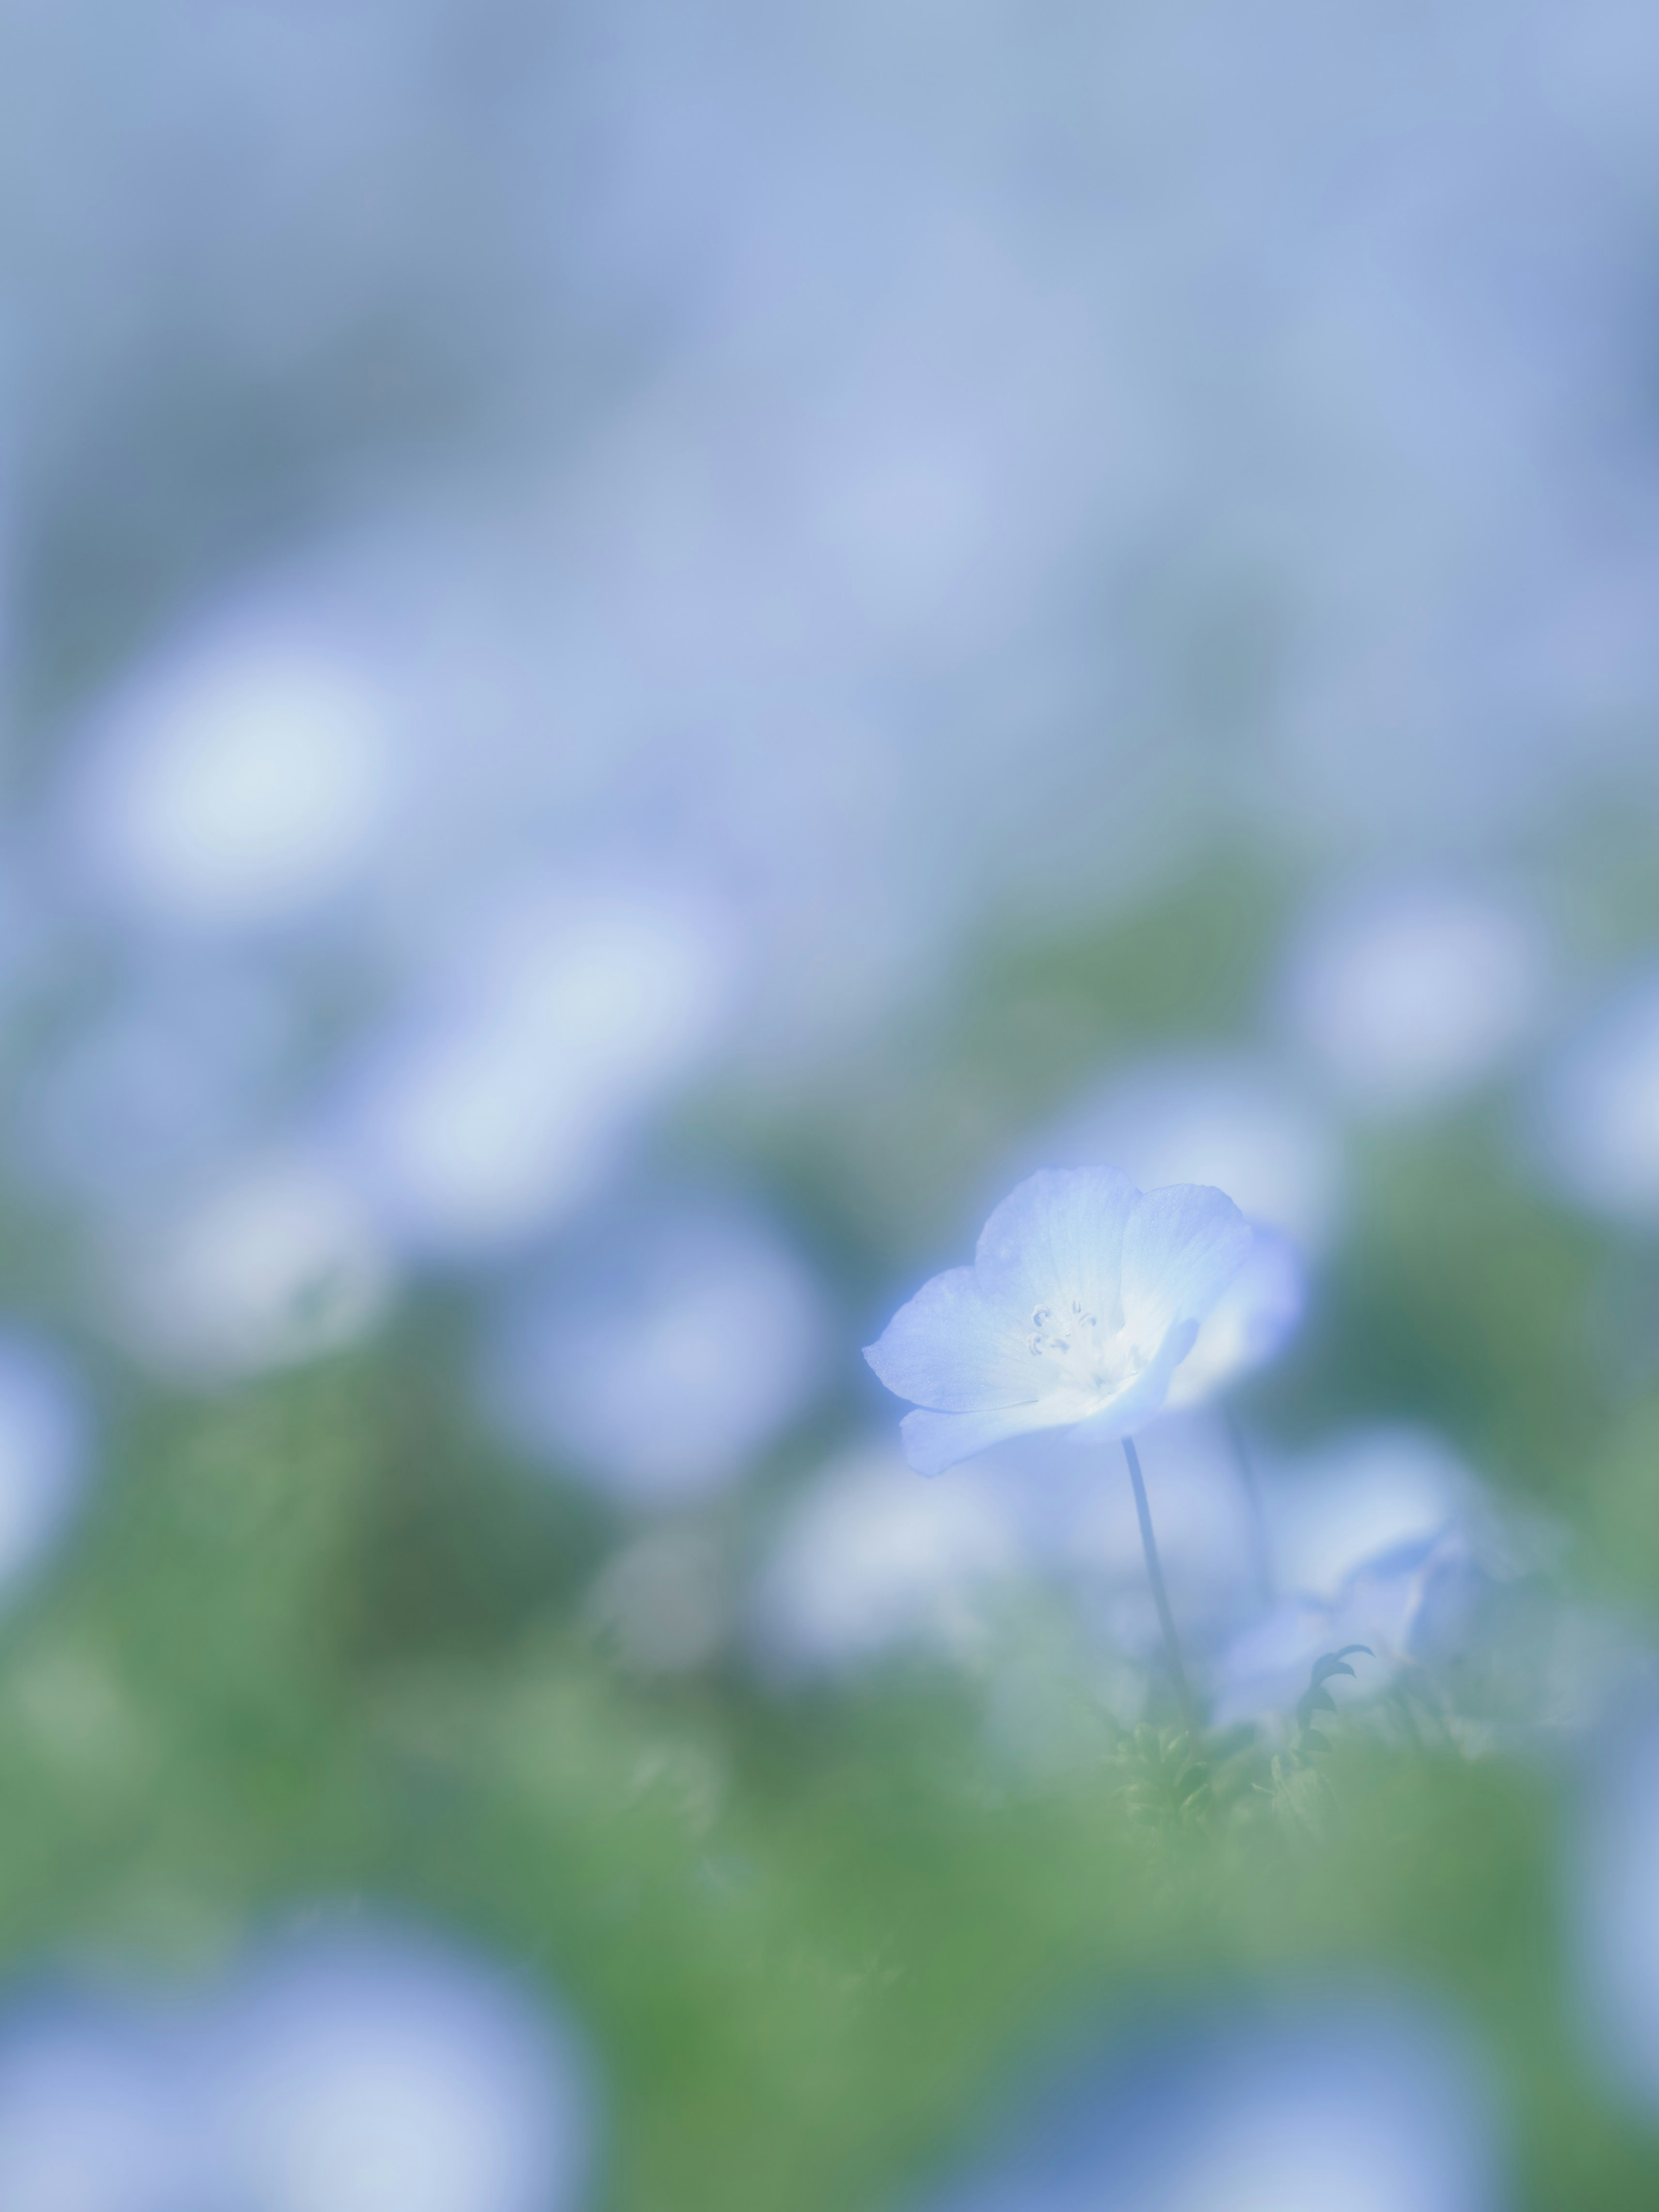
x,y
1092,1358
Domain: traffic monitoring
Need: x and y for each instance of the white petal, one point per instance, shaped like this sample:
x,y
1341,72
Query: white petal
x,y
1182,1246
1060,1234
952,1349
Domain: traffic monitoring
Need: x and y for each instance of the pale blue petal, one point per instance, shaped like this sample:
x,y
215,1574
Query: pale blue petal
x,y
933,1441
1144,1396
1058,1236
951,1350
1182,1246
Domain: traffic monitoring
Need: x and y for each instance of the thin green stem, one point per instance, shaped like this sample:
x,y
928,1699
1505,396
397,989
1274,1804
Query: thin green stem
x,y
1160,1595
1260,1548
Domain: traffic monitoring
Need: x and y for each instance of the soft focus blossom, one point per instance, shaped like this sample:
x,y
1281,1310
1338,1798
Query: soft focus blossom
x,y
1371,2104
1406,1607
358,2066
867,1562
363,2067
498,1097
273,1262
97,2112
239,780
658,1356
1407,999
45,1436
1383,1539
1361,1493
1597,1121
1085,1296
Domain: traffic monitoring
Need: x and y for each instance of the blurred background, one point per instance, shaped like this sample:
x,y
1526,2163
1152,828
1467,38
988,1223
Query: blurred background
x,y
644,651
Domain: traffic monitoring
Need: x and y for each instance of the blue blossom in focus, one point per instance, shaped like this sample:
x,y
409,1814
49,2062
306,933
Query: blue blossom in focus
x,y
1085,1296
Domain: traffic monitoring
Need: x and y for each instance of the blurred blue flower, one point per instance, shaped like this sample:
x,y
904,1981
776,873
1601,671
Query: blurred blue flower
x,y
1597,1118
868,1562
1406,998
1085,1296
658,1354
1349,2103
1407,1607
365,2066
45,1424
553,1017
95,2108
239,778
1383,1539
1360,1494
359,2065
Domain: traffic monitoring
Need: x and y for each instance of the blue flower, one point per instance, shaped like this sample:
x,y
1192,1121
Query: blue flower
x,y
1085,1296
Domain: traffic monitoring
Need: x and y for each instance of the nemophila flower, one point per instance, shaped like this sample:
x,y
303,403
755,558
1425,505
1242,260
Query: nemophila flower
x,y
1085,1296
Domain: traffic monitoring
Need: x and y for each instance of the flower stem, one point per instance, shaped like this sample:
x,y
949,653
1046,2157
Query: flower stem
x,y
1260,1549
1160,1595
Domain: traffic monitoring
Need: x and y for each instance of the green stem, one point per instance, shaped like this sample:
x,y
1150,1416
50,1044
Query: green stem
x,y
1160,1595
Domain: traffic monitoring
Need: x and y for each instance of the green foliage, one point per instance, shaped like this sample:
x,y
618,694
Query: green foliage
x,y
316,1642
